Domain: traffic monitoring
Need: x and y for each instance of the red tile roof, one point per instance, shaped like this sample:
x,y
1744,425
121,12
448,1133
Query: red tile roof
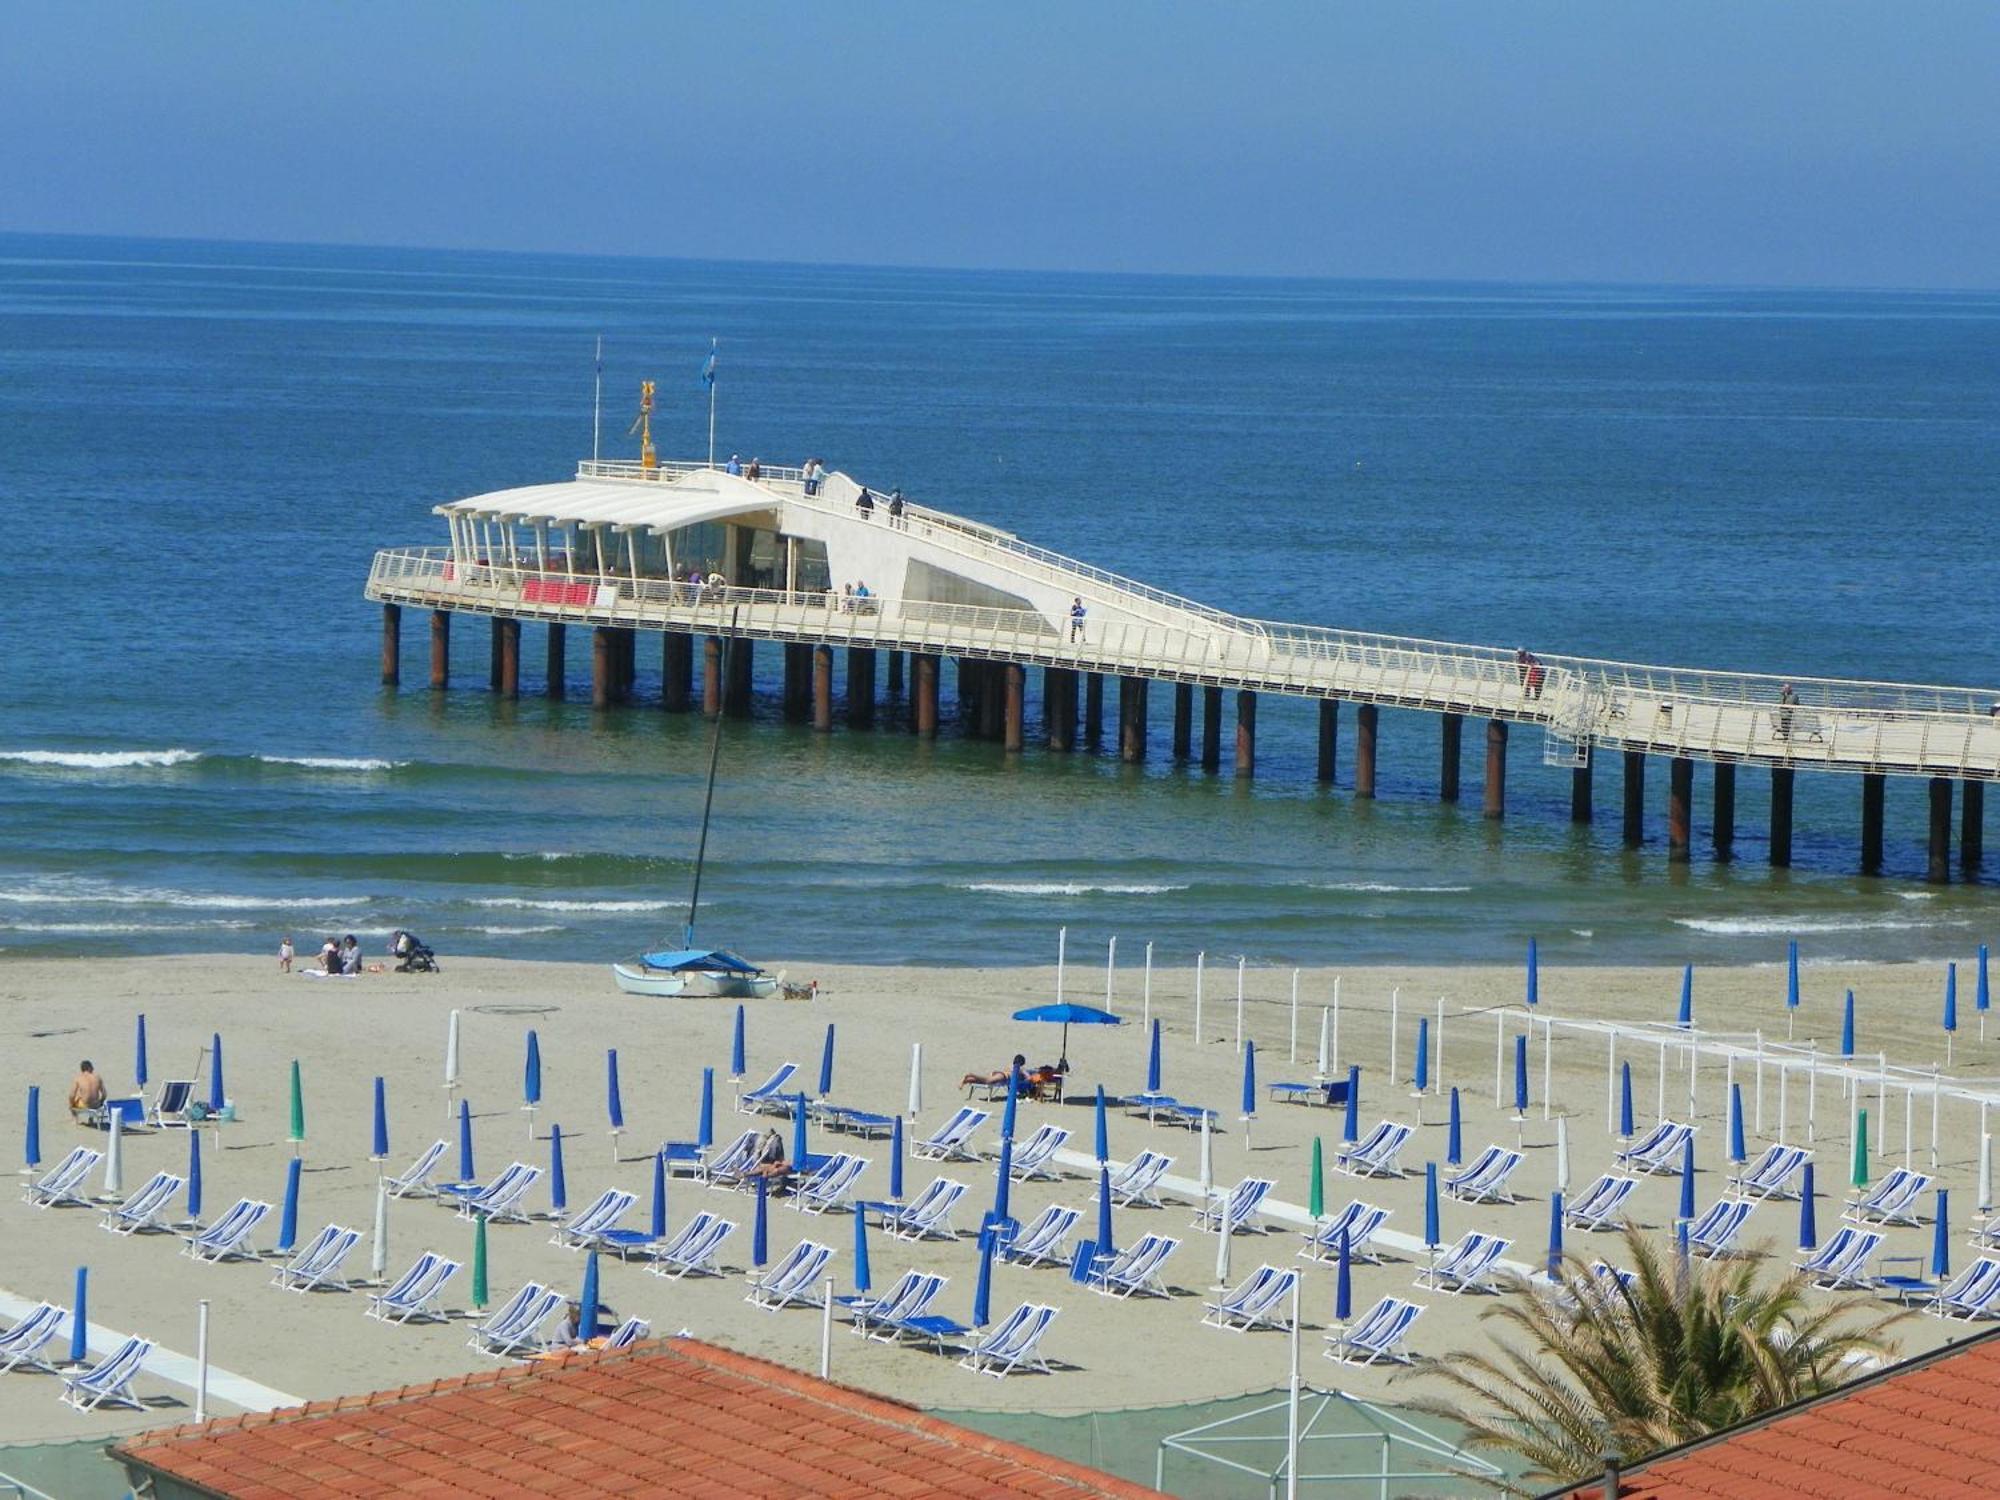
x,y
671,1417
1929,1426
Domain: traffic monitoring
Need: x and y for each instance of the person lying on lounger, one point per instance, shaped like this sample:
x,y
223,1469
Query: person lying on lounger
x,y
771,1161
1018,1074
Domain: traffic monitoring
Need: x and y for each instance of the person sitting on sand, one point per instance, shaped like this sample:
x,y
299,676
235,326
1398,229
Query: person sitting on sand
x,y
1017,1075
571,1333
1046,1080
771,1161
86,1094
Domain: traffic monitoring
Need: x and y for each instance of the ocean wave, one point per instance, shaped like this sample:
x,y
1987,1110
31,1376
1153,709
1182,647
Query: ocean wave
x,y
125,927
524,903
101,760
1793,926
333,762
549,856
1380,887
517,931
192,900
1064,888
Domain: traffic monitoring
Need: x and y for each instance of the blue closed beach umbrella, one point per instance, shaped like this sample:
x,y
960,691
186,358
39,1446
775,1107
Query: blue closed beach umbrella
x,y
1423,1079
982,1290
1350,1126
1687,1180
864,1279
1736,1152
1555,1233
1792,975
1847,1027
1981,996
1941,1237
1808,1219
1454,1140
1153,1061
896,1158
194,1177
799,1132
379,1143
1007,1110
288,1221
586,1317
1103,1141
1687,997
216,1097
826,1063
657,1225
1625,1101
760,1225
139,1053
531,1073
464,1140
1534,975
1249,1079
79,1318
1104,1241
614,1101
1951,997
704,1125
31,1143
736,1057
1343,1282
1431,1236
1003,1180
558,1184
1521,1075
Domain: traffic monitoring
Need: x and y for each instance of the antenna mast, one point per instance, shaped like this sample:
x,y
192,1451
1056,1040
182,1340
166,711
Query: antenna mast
x,y
597,405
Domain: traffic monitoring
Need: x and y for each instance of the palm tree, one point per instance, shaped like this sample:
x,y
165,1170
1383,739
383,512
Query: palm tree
x,y
1682,1349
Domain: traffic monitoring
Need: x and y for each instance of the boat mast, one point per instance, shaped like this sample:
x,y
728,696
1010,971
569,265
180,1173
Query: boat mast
x,y
708,796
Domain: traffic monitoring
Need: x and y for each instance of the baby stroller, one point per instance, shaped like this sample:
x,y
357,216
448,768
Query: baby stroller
x,y
413,954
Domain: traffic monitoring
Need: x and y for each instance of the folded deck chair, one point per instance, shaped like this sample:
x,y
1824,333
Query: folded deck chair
x,y
228,1238
1893,1200
1240,1206
1379,1334
317,1267
23,1343
692,1252
416,1180
1970,1294
1485,1181
414,1297
1594,1206
1376,1156
1466,1266
948,1141
1714,1234
1135,1270
1658,1150
500,1199
1031,1158
928,1215
583,1229
63,1183
1013,1345
769,1097
1771,1174
727,1168
1262,1300
1044,1242
793,1281
516,1329
1358,1221
1137,1183
170,1105
110,1379
143,1209
1842,1261
832,1186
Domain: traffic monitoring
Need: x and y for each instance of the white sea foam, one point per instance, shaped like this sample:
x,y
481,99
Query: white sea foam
x,y
121,927
549,856
1583,932
1064,888
333,762
137,896
1380,887
518,931
100,760
523,903
1793,926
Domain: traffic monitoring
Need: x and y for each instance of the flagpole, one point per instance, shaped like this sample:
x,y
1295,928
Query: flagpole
x,y
597,404
711,403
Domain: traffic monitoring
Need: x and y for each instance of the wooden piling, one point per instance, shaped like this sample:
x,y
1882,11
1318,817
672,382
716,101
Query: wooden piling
x,y
1329,739
392,644
555,666
1725,810
440,649
1782,778
676,671
1581,792
1059,707
1634,829
860,687
1451,733
1680,809
896,675
1938,869
711,676
600,667
1874,787
924,679
1132,718
1183,721
822,689
493,632
1246,733
1367,724
1972,827
739,658
1211,729
510,658
1093,709
1015,693
1494,804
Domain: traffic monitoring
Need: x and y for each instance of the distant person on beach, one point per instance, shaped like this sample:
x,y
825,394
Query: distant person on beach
x,y
734,466
86,1093
771,1161
1788,698
285,955
1076,616
329,957
1016,1074
350,956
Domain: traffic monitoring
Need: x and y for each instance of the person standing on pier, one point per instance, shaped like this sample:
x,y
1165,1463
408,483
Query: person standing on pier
x,y
1076,614
896,508
864,504
1788,698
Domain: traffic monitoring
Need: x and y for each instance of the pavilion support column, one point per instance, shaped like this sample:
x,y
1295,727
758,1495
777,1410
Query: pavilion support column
x,y
555,669
1329,739
1972,827
676,671
392,644
797,693
1211,729
860,686
1093,709
1059,707
1367,724
711,675
823,689
1680,809
992,701
1938,870
628,657
1782,778
740,661
1015,695
510,658
1873,787
1246,733
1451,732
440,648
1725,810
493,654
1183,722
924,711
896,675
1494,804
600,667
1582,795
1132,692
1635,798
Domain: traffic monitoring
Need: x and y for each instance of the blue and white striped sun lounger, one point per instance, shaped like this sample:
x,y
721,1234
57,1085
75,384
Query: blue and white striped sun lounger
x,y
727,1168
1358,1221
1324,1091
317,1267
1714,1233
228,1238
508,1312
23,1343
793,1281
1241,1206
170,1105
1604,1284
830,1187
911,1296
1594,1206
1770,1176
769,1097
1485,1181
110,1379
63,1183
1044,1242
1137,1183
516,1329
1135,1270
628,1333
1892,1201
1466,1266
416,1179
1379,1334
1375,1156
500,1199
1970,1294
926,1216
143,1209
864,1123
948,1141
692,1252
1031,1158
1262,1300
1842,1261
1658,1150
414,1297
583,1229
1013,1345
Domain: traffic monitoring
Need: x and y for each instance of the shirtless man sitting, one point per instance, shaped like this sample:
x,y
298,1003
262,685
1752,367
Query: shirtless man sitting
x,y
86,1094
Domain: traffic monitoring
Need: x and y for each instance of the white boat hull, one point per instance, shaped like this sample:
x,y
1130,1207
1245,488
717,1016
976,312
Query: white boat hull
x,y
638,980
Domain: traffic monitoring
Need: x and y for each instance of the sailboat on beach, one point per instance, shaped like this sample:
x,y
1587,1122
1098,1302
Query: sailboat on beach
x,y
688,970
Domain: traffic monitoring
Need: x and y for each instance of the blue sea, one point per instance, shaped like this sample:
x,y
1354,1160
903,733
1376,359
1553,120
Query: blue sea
x,y
201,445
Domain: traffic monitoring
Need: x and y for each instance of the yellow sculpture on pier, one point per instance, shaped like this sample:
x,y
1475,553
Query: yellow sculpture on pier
x,y
643,425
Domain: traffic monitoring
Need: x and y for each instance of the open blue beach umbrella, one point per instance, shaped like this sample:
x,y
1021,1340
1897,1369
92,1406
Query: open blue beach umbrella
x,y
614,1101
1625,1101
1003,1180
1007,1110
760,1226
1792,974
531,1074
1068,1014
558,1184
1103,1133
736,1061
1847,1027
32,1141
896,1158
982,1289
1454,1139
1982,996
216,1097
1104,1241
586,1317
464,1140
799,1132
1431,1236
1687,997
1350,1126
139,1053
1951,997
79,1318
1687,1179
1249,1079
379,1142
1423,1078
1736,1152
864,1279
826,1063
1153,1061
704,1125
194,1177
1941,1237
657,1225
1808,1220
1555,1233
288,1222
1521,1074
1343,1282
1534,974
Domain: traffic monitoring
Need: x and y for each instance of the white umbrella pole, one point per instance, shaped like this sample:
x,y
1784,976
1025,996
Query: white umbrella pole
x,y
1200,964
1499,1055
114,1157
1207,1162
1225,1226
1395,1016
916,1079
378,1251
1293,1057
1325,1019
1146,995
1110,970
1548,1054
1812,1095
826,1329
1562,1153
450,1062
1239,1002
1694,1068
201,1361
1909,1123
1661,1112
1611,1083
1985,1204
1759,1109
1336,1020
1937,1108
1437,1050
1292,1405
1062,952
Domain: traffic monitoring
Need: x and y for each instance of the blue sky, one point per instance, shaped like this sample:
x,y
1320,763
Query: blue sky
x,y
1822,143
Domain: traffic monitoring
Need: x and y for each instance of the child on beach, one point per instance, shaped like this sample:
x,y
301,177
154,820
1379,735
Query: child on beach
x,y
285,954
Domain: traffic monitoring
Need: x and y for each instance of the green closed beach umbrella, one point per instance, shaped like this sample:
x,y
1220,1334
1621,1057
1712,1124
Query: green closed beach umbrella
x,y
1861,1149
479,1263
298,1130
1316,1198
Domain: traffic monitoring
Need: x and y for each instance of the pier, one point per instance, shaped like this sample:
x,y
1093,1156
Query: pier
x,y
693,554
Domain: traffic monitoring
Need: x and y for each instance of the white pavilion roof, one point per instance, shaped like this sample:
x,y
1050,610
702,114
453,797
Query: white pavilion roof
x,y
665,504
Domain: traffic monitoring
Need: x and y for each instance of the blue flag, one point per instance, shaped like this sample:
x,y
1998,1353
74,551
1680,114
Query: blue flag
x,y
708,365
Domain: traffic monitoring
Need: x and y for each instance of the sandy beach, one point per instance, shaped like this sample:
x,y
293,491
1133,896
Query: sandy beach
x,y
1110,1353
